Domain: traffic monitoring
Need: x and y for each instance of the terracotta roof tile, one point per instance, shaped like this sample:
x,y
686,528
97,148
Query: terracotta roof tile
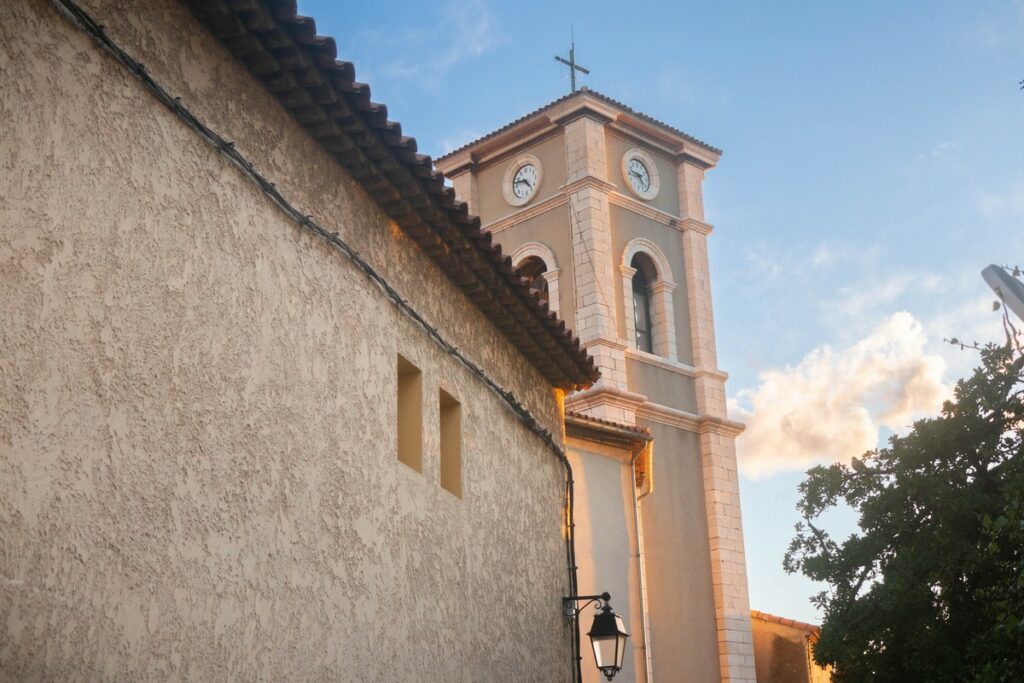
x,y
642,432
579,93
282,50
772,619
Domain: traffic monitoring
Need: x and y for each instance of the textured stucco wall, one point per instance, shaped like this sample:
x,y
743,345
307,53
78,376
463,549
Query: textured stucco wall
x,y
198,472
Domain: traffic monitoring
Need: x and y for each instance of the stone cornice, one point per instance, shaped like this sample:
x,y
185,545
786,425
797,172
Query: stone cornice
x,y
460,163
588,181
664,363
719,425
655,412
695,225
529,212
624,129
690,422
672,365
665,218
673,417
601,341
645,210
604,395
488,155
587,108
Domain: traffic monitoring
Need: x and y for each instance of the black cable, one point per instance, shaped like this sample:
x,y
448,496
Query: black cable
x,y
227,148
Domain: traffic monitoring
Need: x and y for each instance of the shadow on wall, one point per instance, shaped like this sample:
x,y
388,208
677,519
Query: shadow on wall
x,y
782,650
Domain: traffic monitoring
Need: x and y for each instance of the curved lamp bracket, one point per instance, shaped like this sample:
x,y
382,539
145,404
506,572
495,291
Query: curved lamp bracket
x,y
571,609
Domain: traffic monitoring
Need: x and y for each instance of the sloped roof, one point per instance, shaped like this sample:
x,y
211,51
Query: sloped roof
x,y
641,433
580,93
283,51
783,621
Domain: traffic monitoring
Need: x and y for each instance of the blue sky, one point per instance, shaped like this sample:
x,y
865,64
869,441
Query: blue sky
x,y
874,164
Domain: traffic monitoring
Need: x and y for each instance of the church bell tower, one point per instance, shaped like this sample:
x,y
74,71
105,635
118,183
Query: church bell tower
x,y
601,207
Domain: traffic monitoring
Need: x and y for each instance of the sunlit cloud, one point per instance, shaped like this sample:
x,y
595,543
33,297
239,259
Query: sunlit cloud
x,y
863,303
832,405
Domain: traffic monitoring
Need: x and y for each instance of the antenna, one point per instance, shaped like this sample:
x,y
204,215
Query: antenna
x,y
571,62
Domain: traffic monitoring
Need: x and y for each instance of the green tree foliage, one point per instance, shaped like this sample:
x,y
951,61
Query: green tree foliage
x,y
931,587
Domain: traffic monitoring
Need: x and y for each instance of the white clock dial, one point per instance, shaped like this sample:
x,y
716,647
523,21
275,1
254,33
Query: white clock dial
x,y
524,182
639,176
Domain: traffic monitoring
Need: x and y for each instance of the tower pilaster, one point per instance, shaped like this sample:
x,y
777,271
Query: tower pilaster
x,y
593,263
717,445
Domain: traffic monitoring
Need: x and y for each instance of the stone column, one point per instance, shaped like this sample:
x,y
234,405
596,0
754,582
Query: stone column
x,y
717,445
664,320
464,185
590,223
551,277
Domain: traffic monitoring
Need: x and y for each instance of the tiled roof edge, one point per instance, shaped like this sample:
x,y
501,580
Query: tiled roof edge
x,y
283,51
641,432
772,619
564,98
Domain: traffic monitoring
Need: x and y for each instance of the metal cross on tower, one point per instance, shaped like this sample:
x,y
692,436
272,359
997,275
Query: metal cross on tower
x,y
571,63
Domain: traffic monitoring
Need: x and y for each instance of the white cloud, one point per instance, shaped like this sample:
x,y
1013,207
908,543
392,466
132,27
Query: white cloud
x,y
862,304
763,261
465,29
831,406
823,256
1006,204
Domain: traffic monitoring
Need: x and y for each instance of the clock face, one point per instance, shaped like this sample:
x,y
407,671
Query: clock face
x,y
639,176
524,182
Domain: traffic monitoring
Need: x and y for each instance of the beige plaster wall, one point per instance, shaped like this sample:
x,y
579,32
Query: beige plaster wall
x,y
626,226
668,189
678,561
551,229
605,542
550,151
782,654
660,385
198,471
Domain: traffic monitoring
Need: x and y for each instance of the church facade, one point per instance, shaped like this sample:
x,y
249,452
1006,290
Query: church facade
x,y
602,208
275,404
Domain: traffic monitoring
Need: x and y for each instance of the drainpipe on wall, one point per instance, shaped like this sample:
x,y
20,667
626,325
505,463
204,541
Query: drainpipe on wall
x,y
644,617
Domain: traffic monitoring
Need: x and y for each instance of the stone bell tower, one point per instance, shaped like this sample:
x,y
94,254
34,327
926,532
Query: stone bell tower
x,y
601,207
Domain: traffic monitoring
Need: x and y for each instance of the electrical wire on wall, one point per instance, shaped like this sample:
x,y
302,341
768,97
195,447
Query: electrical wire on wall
x,y
88,25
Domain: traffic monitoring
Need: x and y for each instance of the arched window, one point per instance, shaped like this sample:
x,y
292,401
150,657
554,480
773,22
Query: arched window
x,y
647,286
642,321
532,269
537,264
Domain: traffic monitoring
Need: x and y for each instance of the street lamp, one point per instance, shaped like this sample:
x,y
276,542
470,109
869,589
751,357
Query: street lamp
x,y
1009,288
607,633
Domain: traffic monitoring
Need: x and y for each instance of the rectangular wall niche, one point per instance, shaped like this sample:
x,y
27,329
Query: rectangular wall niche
x,y
410,415
451,444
